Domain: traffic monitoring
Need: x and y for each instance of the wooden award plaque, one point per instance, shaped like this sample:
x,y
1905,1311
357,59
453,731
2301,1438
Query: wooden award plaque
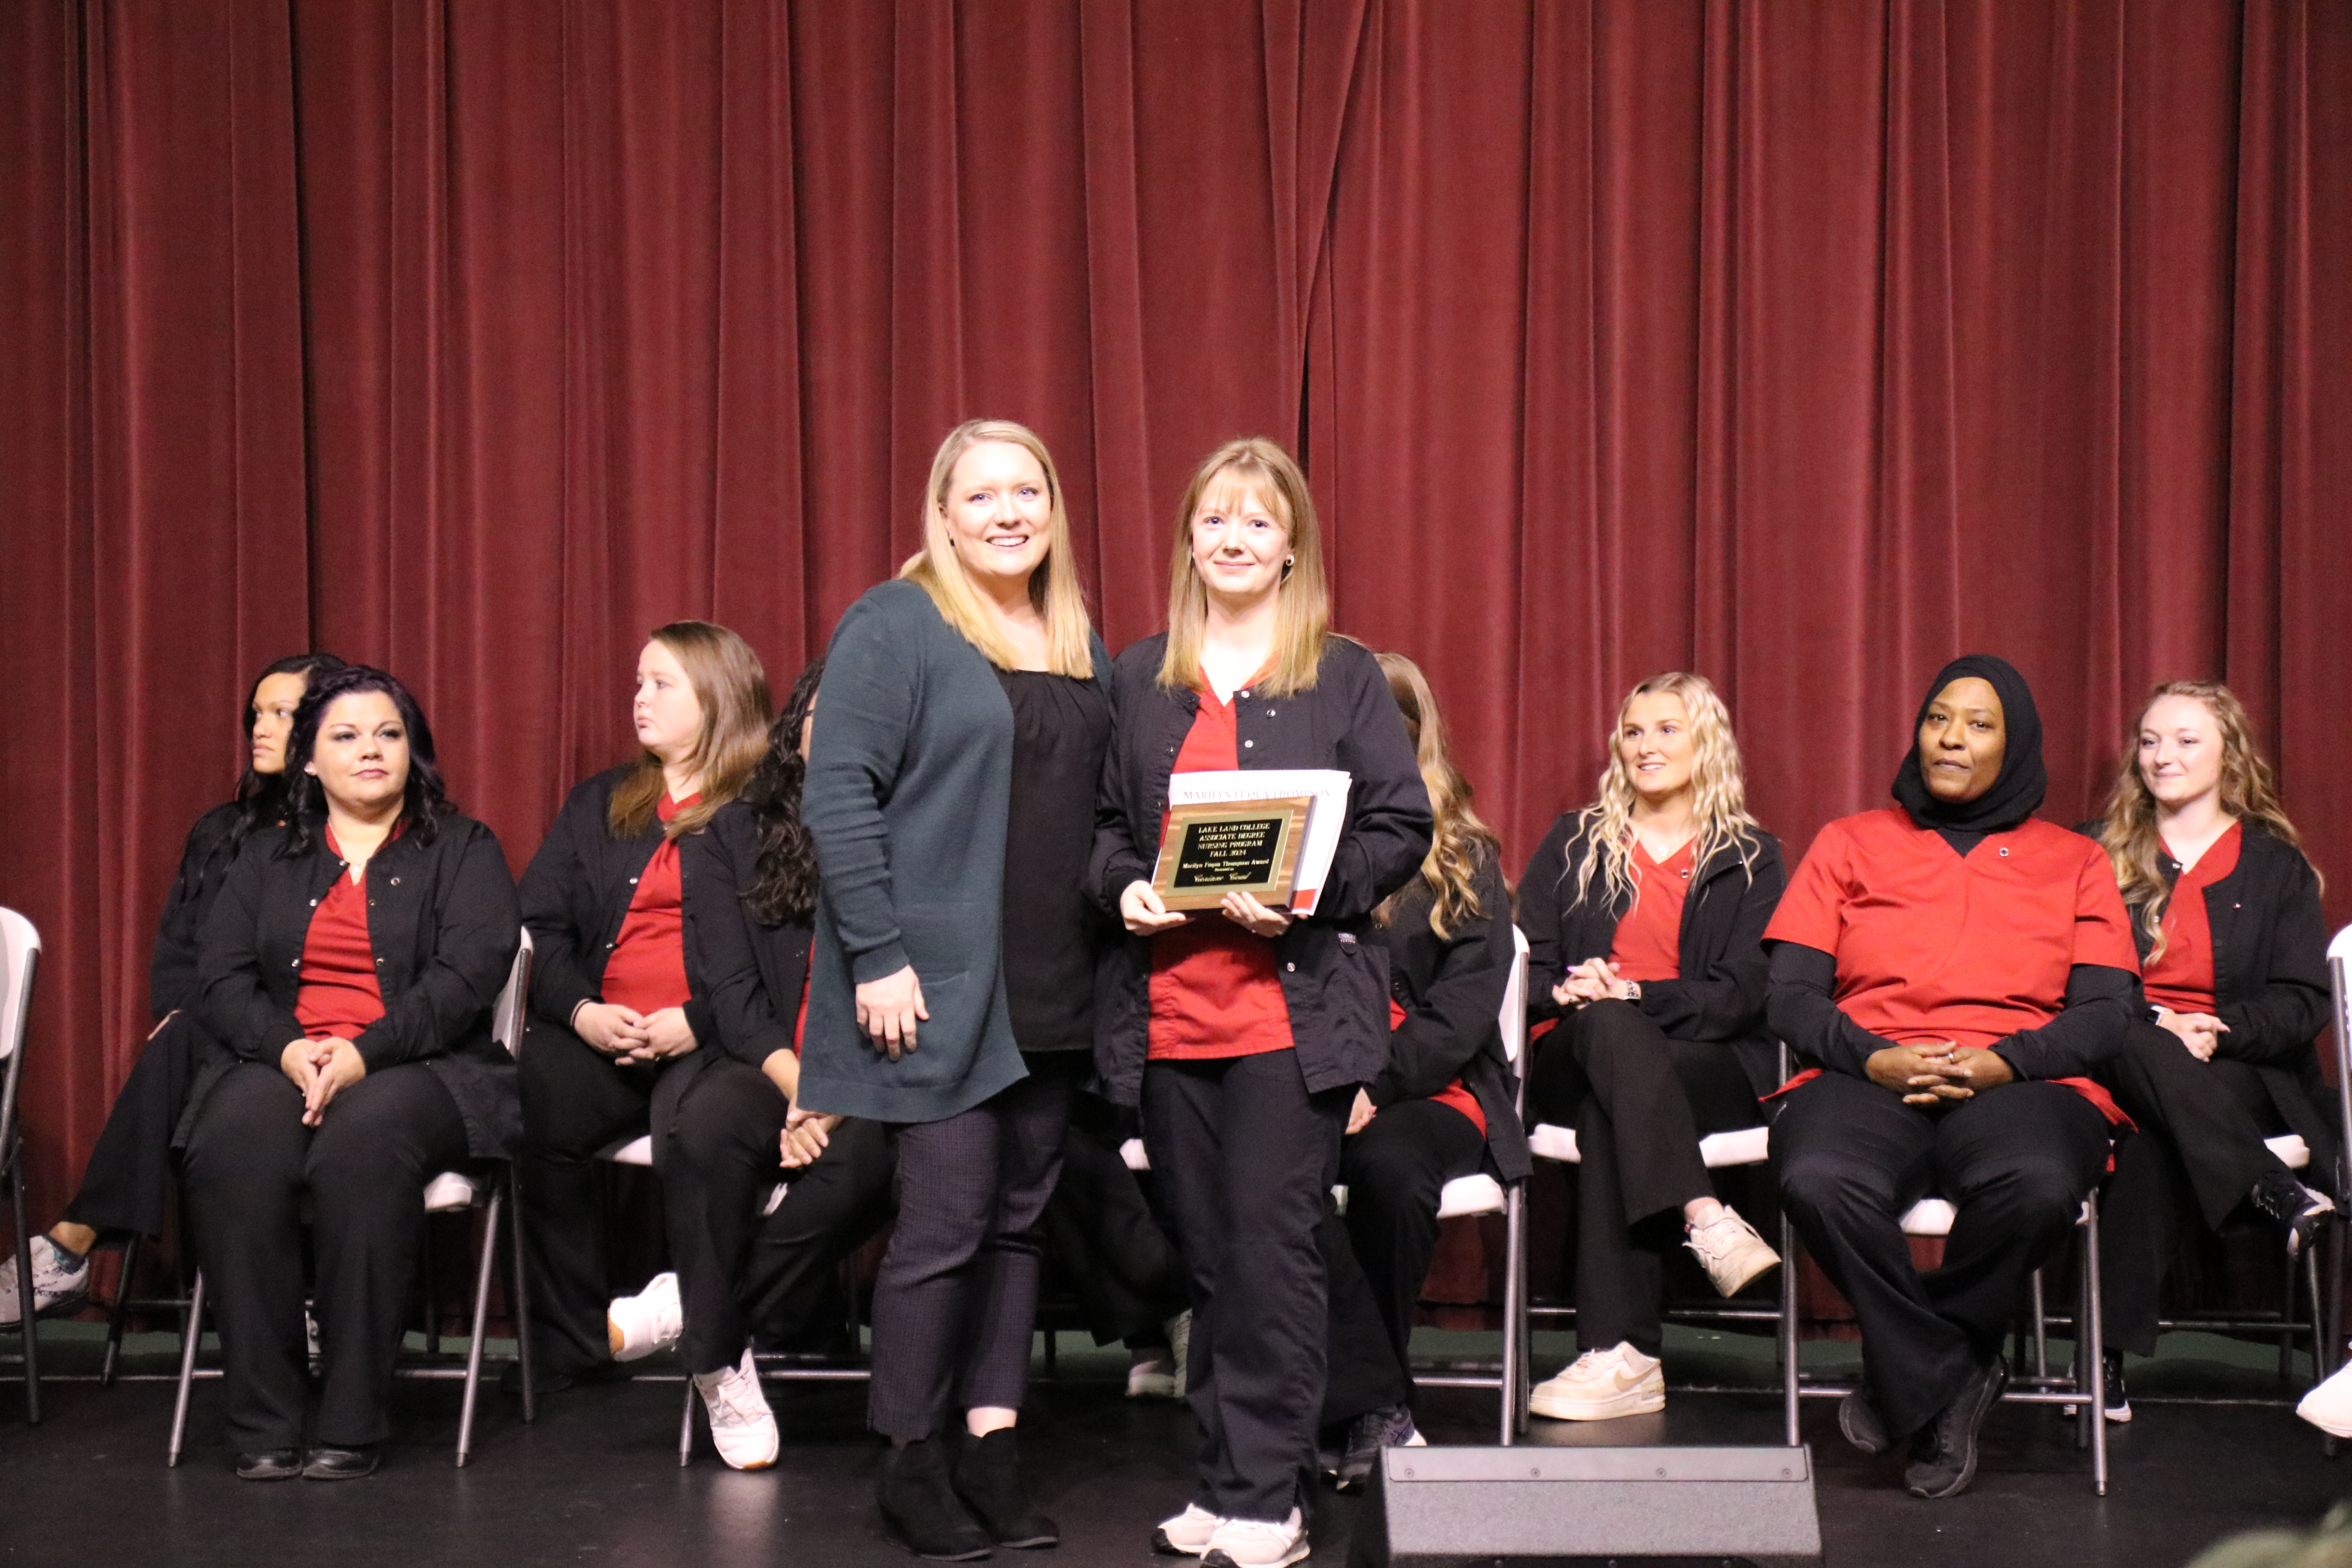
x,y
1215,847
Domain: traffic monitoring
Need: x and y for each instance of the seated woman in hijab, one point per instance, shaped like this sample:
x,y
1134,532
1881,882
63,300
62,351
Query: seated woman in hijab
x,y
1955,968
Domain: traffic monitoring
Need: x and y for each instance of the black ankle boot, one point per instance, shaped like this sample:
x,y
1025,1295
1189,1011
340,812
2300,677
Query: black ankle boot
x,y
919,1503
988,1479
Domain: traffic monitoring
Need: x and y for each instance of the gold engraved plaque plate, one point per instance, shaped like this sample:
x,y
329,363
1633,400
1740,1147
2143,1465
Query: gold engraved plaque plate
x,y
1214,848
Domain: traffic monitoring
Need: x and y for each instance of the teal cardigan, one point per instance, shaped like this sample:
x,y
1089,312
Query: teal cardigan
x,y
909,780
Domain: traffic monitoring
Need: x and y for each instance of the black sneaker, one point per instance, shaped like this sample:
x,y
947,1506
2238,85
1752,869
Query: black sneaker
x,y
2118,1397
1861,1424
1389,1428
2288,1203
1943,1455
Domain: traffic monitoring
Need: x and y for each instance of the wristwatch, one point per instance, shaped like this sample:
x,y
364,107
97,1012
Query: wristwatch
x,y
1633,991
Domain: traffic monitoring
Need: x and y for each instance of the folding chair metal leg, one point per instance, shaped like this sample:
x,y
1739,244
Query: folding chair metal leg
x,y
685,1428
1787,1332
115,1314
2041,1330
1514,1290
432,1288
27,1326
2092,1332
191,1333
519,1293
481,1326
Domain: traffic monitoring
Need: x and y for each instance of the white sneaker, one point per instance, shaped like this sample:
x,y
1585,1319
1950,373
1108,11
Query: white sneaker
x,y
1600,1385
741,1426
1188,1532
1257,1543
1152,1378
1730,1250
2329,1405
60,1281
636,1326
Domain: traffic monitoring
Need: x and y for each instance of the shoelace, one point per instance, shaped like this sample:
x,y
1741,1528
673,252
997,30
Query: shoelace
x,y
730,1395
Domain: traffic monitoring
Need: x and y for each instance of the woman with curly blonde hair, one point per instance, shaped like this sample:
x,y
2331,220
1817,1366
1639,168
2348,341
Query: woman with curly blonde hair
x,y
1646,915
2226,913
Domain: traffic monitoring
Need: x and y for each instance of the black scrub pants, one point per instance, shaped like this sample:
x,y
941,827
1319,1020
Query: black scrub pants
x,y
250,1162
1639,1100
2016,1161
1128,1278
1377,1258
127,1186
718,1163
955,1304
2198,1152
1242,1159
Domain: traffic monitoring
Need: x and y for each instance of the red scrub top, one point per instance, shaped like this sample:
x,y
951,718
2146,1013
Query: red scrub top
x,y
2181,976
1214,988
338,997
1455,1094
1649,941
648,969
1932,945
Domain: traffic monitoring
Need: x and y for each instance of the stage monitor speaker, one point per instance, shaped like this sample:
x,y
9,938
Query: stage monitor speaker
x,y
1434,1506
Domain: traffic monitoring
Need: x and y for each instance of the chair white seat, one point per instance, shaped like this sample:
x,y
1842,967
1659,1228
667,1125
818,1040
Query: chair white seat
x,y
1131,1152
1742,1146
2292,1151
1466,1195
638,1150
449,1190
1930,1216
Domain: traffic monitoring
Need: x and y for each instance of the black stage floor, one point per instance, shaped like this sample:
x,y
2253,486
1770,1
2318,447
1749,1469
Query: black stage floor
x,y
596,1481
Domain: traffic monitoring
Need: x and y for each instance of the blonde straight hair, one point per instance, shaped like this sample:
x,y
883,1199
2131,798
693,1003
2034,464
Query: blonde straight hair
x,y
732,687
1462,843
2127,827
1718,790
1302,616
1053,586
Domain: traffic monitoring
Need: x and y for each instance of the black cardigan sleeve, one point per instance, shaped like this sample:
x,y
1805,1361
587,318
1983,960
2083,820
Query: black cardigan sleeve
x,y
473,949
1458,1013
1725,1003
723,956
238,1007
1390,821
1539,896
559,983
2277,1020
179,935
1117,860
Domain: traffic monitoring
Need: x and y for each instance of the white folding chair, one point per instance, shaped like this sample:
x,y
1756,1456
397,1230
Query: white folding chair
x,y
20,955
1741,1147
491,1190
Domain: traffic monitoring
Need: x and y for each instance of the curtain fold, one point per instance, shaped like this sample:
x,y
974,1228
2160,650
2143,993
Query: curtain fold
x,y
1802,346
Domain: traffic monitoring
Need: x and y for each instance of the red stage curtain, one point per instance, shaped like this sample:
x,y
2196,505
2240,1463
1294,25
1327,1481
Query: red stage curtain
x,y
1801,345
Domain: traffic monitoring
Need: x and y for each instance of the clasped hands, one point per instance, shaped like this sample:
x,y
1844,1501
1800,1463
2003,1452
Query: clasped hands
x,y
630,1037
321,1069
1937,1070
1141,908
2201,1032
1594,980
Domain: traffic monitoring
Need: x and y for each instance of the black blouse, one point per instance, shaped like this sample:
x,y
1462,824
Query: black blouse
x,y
1061,728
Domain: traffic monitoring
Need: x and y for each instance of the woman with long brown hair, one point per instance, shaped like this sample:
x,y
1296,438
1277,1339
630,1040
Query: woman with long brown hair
x,y
2226,913
1645,914
1246,1031
1445,1106
615,1036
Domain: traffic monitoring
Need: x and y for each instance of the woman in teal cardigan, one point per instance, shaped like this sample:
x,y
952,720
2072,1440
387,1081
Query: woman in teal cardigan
x,y
958,740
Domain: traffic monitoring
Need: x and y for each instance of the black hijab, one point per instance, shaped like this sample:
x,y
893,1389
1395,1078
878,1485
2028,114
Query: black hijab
x,y
2022,782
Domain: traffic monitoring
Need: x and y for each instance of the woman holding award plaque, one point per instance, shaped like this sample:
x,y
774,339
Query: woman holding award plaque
x,y
951,795
1244,1028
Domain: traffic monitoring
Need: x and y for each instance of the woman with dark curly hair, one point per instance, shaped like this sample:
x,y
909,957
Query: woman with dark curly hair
x,y
349,971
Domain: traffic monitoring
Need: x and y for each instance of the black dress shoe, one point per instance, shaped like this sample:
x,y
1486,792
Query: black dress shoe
x,y
919,1504
988,1479
2286,1203
339,1464
1861,1423
269,1465
1944,1455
